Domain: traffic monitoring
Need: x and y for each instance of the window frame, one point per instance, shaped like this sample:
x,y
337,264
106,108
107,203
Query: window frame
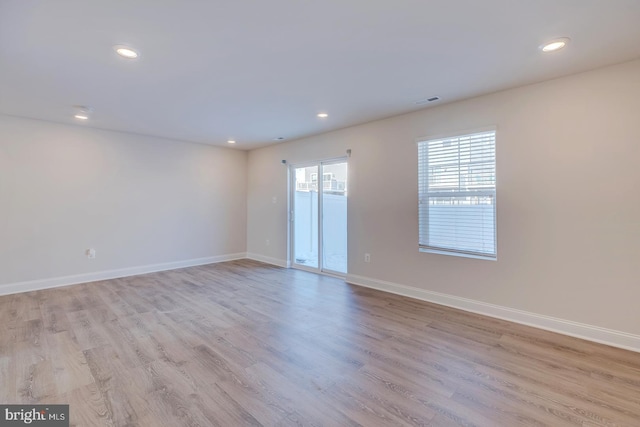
x,y
480,193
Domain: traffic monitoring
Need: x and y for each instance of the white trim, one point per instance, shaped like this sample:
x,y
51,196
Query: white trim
x,y
428,250
597,334
55,282
269,260
455,134
305,164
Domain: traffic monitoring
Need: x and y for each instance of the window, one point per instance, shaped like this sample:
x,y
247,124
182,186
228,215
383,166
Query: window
x,y
457,195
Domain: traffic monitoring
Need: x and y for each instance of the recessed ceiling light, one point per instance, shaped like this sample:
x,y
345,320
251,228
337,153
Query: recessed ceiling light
x,y
126,52
82,112
231,141
323,115
554,45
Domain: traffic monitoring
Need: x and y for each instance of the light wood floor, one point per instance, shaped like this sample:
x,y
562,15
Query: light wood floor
x,y
243,343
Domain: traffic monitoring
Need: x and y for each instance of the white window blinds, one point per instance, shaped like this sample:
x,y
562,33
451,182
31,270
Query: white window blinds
x,y
457,194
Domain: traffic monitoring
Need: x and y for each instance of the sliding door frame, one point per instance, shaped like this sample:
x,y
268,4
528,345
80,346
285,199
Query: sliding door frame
x,y
292,189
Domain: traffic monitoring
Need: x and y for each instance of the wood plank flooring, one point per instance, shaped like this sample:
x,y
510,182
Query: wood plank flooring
x,y
243,343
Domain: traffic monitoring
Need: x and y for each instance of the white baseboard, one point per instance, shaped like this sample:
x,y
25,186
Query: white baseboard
x,y
36,285
567,327
268,260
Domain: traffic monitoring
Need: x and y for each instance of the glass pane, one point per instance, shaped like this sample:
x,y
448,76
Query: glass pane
x,y
306,217
334,217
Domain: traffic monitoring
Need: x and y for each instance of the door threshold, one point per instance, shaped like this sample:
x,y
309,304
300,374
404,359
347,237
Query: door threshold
x,y
329,273
335,274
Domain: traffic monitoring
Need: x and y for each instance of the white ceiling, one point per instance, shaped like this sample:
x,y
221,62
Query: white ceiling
x,y
252,71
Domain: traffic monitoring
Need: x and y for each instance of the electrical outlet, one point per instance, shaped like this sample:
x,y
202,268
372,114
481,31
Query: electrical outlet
x,y
268,242
367,257
91,253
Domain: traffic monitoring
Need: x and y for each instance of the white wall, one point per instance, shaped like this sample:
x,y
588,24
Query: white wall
x,y
568,154
137,200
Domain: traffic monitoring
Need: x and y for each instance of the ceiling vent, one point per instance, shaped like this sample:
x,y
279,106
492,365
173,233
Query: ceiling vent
x,y
427,100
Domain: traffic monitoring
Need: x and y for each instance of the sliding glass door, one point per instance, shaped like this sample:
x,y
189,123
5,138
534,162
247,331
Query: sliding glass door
x,y
319,216
334,216
305,217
